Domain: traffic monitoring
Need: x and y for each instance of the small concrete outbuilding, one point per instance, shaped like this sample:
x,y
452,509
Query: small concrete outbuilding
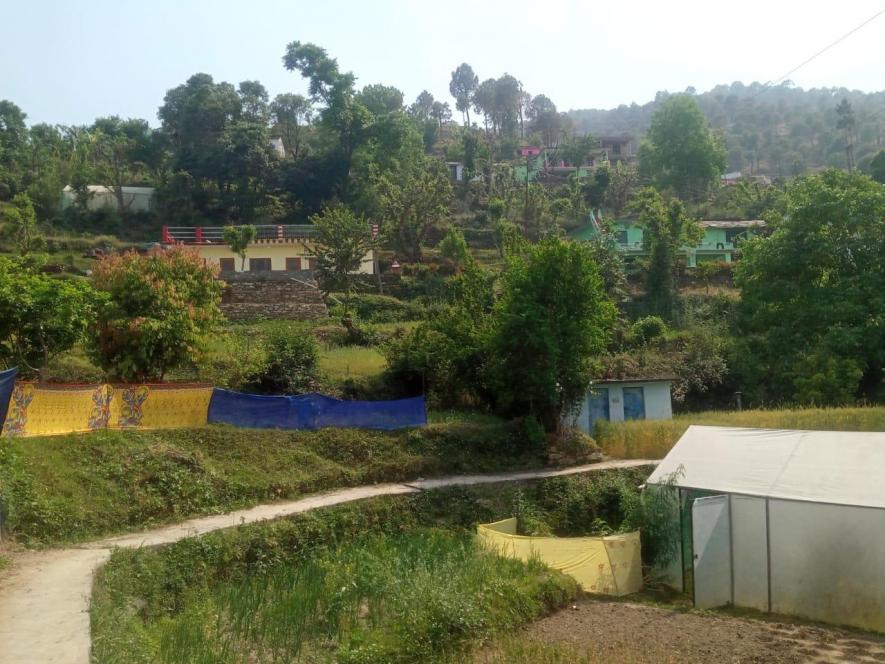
x,y
618,400
783,521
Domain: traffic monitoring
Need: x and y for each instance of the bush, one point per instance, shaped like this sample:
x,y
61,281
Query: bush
x,y
647,329
291,365
40,316
162,306
384,309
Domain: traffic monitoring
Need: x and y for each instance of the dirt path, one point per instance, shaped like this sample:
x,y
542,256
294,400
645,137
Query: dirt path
x,y
618,632
44,598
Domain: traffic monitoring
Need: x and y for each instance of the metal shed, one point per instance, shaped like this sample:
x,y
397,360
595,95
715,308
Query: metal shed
x,y
785,521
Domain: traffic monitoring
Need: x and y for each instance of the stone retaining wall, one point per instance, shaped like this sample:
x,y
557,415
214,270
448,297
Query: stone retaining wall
x,y
272,298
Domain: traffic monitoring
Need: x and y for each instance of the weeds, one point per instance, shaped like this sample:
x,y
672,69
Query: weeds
x,y
416,597
652,439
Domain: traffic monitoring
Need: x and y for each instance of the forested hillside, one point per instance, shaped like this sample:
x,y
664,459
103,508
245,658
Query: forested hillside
x,y
777,131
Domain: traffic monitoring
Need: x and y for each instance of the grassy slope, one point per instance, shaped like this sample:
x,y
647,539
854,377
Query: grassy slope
x,y
78,487
652,439
141,593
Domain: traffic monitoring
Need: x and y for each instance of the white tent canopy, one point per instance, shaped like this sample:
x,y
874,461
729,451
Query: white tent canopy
x,y
790,522
836,467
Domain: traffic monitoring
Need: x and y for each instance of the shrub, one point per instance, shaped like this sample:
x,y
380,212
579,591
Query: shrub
x,y
161,308
647,329
40,317
291,365
385,309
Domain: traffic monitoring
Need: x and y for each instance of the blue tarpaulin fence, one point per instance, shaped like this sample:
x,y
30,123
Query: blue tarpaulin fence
x,y
7,382
313,411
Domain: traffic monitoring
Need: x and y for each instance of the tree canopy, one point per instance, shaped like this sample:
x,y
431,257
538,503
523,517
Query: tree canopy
x,y
812,309
680,152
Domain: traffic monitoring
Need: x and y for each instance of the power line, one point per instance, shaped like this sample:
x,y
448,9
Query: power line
x,y
826,48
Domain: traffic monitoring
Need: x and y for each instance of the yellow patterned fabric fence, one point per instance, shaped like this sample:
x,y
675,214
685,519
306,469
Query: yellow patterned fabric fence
x,y
48,410
609,565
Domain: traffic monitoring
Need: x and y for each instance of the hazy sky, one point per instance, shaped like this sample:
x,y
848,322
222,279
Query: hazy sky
x,y
69,62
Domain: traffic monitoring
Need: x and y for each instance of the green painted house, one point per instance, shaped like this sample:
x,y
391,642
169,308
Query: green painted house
x,y
719,243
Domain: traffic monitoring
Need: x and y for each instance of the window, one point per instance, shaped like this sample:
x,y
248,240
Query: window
x,y
734,234
293,265
259,265
622,237
227,264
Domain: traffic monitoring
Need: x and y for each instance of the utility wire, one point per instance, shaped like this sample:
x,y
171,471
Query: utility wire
x,y
826,48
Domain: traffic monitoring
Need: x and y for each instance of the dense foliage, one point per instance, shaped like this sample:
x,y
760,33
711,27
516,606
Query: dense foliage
x,y
40,317
527,351
160,308
812,310
679,152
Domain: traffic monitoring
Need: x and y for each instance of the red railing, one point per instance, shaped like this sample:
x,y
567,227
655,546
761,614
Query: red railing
x,y
215,234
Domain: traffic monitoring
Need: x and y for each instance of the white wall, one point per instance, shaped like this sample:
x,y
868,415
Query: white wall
x,y
658,405
828,562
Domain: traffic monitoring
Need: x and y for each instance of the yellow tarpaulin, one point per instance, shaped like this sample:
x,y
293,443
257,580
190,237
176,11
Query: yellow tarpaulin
x,y
609,565
48,410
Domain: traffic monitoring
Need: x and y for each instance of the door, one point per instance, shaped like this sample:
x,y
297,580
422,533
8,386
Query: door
x,y
598,406
634,403
711,543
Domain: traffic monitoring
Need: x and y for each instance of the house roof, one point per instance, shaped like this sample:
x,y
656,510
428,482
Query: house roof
x,y
837,467
101,189
614,381
752,223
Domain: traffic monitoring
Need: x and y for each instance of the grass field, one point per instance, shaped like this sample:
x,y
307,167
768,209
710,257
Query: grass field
x,y
77,487
416,597
652,439
339,363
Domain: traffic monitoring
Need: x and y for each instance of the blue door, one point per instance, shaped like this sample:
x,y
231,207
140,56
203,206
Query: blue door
x,y
634,403
598,406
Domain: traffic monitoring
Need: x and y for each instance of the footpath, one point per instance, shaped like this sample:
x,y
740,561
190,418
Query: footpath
x,y
45,597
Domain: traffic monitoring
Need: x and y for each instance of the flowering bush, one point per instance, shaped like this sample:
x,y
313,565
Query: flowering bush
x,y
161,307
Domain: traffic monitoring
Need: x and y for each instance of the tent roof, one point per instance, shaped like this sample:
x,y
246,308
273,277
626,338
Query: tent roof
x,y
840,467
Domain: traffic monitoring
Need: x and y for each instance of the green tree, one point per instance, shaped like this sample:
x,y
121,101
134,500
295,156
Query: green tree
x,y
877,167
462,87
847,123
13,143
545,119
810,318
381,99
666,229
343,239
621,187
239,238
454,247
21,225
160,311
680,151
413,201
551,322
291,116
40,317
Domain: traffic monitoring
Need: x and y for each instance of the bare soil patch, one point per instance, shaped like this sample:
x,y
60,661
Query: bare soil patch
x,y
630,632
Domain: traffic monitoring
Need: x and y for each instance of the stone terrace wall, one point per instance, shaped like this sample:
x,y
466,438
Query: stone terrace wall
x,y
274,295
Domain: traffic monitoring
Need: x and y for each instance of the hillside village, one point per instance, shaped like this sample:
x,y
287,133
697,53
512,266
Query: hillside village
x,y
340,377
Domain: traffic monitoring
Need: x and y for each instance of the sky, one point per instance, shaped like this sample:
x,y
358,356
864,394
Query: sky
x,y
68,62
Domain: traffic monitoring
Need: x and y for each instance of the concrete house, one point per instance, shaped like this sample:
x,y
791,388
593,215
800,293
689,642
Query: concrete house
x,y
276,248
720,241
617,400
